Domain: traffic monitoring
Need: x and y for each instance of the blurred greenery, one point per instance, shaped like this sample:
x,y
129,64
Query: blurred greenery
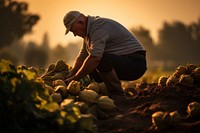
x,y
15,21
177,44
27,106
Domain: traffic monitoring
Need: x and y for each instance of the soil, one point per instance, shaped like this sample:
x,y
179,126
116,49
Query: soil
x,y
134,112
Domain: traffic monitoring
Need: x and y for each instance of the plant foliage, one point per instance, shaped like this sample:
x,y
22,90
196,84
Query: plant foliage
x,y
26,106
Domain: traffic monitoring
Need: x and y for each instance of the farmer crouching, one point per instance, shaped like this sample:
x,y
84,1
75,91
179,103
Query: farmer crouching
x,y
109,53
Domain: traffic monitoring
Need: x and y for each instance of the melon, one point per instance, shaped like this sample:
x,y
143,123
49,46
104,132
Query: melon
x,y
74,87
88,96
106,103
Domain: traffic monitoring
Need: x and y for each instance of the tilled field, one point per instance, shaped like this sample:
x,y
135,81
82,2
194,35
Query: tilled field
x,y
134,114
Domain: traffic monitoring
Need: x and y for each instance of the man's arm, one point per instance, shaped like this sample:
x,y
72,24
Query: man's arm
x,y
77,65
89,65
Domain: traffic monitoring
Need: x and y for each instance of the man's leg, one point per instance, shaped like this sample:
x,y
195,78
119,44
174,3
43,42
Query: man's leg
x,y
113,68
130,67
106,73
112,82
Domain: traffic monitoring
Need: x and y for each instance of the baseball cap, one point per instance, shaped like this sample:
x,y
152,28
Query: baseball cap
x,y
69,18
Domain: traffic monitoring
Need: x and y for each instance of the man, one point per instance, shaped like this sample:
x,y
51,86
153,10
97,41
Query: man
x,y
110,53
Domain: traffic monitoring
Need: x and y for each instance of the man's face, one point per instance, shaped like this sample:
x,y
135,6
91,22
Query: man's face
x,y
78,28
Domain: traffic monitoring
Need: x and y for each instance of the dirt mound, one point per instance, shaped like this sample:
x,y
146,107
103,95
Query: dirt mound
x,y
134,113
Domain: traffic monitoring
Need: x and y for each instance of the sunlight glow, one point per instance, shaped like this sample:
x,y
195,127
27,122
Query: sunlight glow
x,y
148,13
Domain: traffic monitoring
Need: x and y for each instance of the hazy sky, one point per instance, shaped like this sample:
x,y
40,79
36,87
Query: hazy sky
x,y
149,13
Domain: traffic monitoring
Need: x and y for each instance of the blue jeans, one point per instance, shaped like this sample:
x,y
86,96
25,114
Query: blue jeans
x,y
128,67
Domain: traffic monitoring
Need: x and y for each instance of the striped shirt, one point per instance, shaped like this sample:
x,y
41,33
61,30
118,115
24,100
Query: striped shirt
x,y
106,35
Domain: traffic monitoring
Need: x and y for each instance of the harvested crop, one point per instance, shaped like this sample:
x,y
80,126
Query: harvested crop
x,y
60,75
57,97
162,80
186,79
51,67
103,89
196,73
59,82
174,117
191,67
106,103
193,109
171,80
94,86
62,90
74,87
82,106
157,120
181,70
61,66
88,96
67,104
49,88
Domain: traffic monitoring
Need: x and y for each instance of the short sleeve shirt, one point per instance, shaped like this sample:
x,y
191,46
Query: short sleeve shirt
x,y
106,35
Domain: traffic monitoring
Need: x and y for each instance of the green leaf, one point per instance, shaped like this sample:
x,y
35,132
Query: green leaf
x,y
86,122
29,74
6,66
51,107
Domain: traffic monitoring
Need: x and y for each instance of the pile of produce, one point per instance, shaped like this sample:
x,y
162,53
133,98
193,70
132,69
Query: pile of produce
x,y
39,100
32,101
89,96
27,106
187,75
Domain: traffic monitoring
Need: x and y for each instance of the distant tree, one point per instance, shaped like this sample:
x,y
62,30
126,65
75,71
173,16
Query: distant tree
x,y
195,31
45,41
59,52
45,47
175,42
8,55
14,52
145,38
15,21
35,56
195,35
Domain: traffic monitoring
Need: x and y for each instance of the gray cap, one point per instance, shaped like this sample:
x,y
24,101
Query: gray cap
x,y
69,18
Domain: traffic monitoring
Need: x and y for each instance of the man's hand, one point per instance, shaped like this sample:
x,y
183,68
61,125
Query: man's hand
x,y
89,65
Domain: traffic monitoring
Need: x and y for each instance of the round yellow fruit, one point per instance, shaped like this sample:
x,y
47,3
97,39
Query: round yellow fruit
x,y
186,79
88,96
74,87
57,97
162,80
171,80
191,67
157,120
181,70
94,86
106,103
49,88
59,82
196,73
62,90
174,117
66,104
82,106
103,89
193,109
